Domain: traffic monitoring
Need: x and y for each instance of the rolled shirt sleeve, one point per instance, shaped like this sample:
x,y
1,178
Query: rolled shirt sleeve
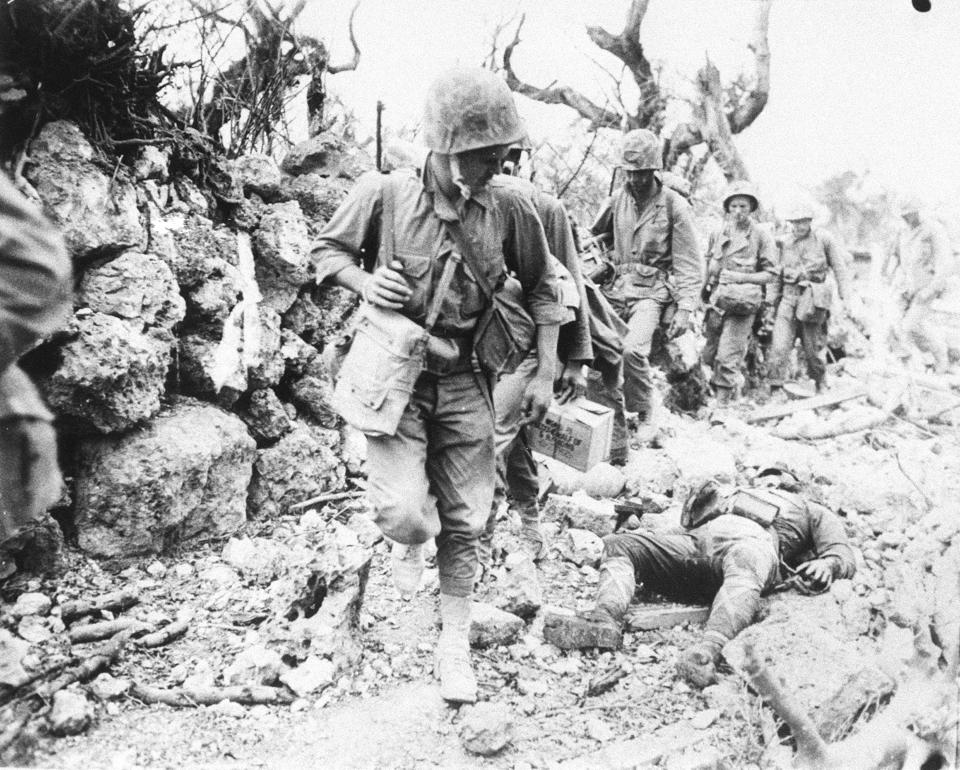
x,y
687,265
351,237
527,253
36,278
837,259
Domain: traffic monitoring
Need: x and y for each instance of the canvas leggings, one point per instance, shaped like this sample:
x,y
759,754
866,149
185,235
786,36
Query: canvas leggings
x,y
786,328
435,477
728,562
645,315
726,339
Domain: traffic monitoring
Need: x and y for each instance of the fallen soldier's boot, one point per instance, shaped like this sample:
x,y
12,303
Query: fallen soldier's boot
x,y
696,667
452,666
407,562
595,628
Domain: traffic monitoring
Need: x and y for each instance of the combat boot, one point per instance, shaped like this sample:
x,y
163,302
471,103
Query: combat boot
x,y
533,543
452,667
602,626
407,562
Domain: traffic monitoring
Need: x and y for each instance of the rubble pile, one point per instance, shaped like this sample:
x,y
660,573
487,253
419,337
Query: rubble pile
x,y
188,385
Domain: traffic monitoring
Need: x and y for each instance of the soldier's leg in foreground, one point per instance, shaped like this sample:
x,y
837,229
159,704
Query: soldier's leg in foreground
x,y
507,405
638,383
746,568
461,470
924,333
731,353
523,486
784,335
605,386
398,489
813,337
662,563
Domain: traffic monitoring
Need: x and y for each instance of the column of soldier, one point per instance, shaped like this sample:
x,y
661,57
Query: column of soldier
x,y
435,377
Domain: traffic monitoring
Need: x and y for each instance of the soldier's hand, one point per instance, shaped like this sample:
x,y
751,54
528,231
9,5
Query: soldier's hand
x,y
817,571
386,287
573,382
536,400
681,322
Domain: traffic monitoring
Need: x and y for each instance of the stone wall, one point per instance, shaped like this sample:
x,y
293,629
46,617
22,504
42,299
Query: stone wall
x,y
188,386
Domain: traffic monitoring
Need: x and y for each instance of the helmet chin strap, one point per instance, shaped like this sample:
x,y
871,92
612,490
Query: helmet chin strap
x,y
457,175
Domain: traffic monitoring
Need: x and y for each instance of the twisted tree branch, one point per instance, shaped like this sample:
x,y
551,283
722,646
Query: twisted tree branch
x,y
333,69
599,117
744,111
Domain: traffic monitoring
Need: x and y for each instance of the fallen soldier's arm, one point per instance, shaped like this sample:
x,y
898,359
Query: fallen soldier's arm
x,y
835,560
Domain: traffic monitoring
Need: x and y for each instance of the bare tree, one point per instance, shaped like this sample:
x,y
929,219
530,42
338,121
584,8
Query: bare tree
x,y
718,114
249,94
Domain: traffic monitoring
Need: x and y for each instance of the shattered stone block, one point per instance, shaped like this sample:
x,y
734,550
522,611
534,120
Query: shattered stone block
x,y
582,547
490,626
268,367
257,174
210,301
255,665
96,212
198,248
603,480
265,416
318,196
518,589
282,248
183,475
326,154
110,375
298,355
581,512
137,288
315,599
312,394
487,728
299,466
832,673
310,676
198,367
71,713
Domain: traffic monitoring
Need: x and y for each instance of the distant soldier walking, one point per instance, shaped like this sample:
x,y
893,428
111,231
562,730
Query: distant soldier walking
x,y
802,297
741,260
656,266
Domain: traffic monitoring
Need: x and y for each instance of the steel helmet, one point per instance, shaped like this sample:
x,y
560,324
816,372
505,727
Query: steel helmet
x,y
799,211
641,151
468,109
742,188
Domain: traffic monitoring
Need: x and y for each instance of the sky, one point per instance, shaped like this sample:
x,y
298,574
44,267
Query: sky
x,y
862,85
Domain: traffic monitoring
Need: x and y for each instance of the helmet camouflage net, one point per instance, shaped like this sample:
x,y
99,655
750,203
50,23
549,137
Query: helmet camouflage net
x,y
468,109
641,151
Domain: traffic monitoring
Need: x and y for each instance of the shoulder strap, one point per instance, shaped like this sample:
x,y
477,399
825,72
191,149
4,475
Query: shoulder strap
x,y
455,230
387,225
387,250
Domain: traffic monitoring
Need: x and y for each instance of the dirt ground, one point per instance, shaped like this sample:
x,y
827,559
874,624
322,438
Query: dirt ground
x,y
389,714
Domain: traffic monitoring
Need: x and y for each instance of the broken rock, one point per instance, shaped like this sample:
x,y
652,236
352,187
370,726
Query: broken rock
x,y
603,480
107,687
310,676
487,728
257,174
265,416
71,713
299,466
563,628
582,547
255,665
582,512
518,590
184,474
282,246
96,213
490,626
31,603
12,653
110,375
318,196
647,617
698,459
198,248
326,154
137,288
